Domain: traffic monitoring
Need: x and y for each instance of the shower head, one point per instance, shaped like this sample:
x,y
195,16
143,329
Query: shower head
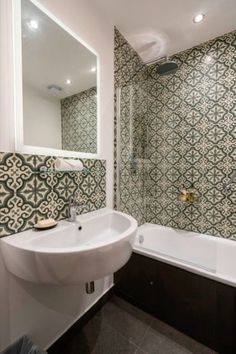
x,y
165,66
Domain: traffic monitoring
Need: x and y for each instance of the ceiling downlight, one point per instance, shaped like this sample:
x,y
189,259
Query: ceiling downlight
x,y
198,18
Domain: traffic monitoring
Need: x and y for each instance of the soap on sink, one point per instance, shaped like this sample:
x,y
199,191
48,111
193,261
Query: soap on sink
x,y
46,223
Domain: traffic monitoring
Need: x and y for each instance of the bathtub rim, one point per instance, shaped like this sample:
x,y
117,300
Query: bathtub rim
x,y
213,275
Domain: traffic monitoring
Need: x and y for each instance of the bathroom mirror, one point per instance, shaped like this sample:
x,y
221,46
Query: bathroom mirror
x,y
59,85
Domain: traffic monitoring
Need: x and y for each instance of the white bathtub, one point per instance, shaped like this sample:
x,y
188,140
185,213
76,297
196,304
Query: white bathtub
x,y
209,256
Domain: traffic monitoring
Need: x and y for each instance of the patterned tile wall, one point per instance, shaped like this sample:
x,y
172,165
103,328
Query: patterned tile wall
x,y
130,97
128,66
190,136
79,121
192,139
26,197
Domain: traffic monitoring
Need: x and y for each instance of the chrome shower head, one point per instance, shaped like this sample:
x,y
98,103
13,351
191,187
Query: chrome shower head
x,y
166,68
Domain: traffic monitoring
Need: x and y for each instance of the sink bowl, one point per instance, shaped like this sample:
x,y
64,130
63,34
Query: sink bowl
x,y
67,255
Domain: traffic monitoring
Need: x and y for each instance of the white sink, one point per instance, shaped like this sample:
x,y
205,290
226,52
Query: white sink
x,y
67,255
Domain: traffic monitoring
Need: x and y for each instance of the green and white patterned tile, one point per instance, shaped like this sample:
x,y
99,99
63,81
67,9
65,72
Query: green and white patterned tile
x,y
79,121
26,197
189,120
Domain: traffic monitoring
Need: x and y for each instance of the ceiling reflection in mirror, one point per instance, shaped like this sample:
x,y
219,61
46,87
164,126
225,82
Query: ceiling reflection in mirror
x,y
59,85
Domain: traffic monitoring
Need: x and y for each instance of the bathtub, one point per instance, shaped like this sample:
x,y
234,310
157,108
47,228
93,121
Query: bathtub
x,y
209,256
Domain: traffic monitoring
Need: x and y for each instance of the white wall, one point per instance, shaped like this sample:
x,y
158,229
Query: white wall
x,y
6,78
45,312
42,312
5,330
42,119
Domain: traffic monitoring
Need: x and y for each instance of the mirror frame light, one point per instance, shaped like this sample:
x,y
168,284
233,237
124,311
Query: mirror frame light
x,y
18,89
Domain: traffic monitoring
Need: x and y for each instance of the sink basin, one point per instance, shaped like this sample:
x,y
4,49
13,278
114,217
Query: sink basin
x,y
68,255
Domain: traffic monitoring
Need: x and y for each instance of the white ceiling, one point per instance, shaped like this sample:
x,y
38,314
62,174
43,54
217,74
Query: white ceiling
x,y
164,27
51,55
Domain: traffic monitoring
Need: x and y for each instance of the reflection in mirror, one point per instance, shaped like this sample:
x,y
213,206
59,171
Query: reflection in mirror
x,y
59,85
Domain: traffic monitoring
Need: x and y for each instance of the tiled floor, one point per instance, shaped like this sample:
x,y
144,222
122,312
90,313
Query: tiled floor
x,y
120,328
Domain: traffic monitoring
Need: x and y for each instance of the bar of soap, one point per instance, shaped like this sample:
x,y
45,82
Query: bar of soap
x,y
46,223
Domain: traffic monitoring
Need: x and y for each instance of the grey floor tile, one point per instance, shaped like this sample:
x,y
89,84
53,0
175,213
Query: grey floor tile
x,y
126,319
120,328
180,338
161,338
159,344
98,337
140,351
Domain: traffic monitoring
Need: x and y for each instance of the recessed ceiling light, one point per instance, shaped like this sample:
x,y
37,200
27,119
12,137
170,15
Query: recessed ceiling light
x,y
68,81
33,24
198,18
93,69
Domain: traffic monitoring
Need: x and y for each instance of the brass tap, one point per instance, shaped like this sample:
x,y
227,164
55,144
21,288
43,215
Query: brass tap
x,y
188,195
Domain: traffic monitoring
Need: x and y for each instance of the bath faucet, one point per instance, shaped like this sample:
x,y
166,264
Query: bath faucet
x,y
73,207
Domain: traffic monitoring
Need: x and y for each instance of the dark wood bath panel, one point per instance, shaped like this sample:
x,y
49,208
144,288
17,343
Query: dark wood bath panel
x,y
200,307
